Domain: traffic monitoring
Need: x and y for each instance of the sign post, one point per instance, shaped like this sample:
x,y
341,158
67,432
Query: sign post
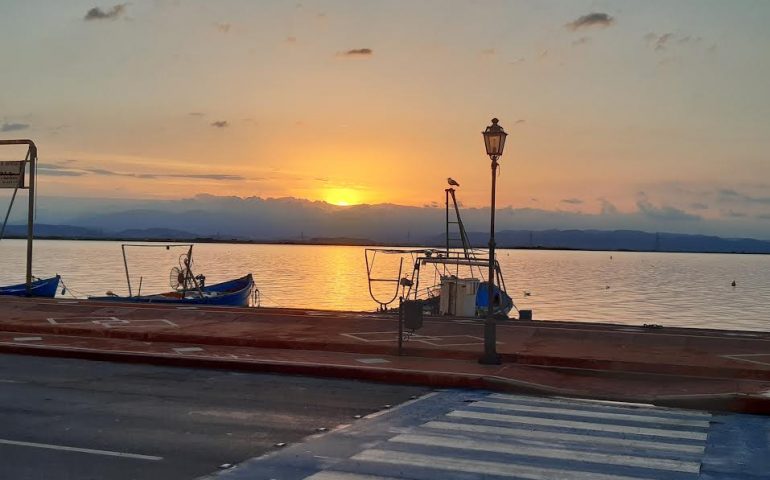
x,y
12,176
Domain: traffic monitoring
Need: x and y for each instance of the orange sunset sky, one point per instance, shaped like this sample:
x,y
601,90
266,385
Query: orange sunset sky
x,y
608,104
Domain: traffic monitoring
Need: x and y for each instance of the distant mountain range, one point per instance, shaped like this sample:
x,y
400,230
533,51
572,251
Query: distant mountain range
x,y
613,240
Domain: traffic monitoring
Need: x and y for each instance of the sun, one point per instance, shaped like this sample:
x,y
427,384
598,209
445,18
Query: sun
x,y
342,197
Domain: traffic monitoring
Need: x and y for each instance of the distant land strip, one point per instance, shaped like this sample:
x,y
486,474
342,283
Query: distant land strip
x,y
581,240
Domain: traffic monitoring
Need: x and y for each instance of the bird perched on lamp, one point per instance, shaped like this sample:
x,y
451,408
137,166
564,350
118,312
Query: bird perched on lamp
x,y
451,181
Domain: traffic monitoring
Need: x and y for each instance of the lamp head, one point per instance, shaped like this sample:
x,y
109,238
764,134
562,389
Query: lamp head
x,y
494,139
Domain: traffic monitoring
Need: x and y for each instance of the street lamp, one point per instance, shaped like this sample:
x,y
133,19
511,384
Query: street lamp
x,y
494,141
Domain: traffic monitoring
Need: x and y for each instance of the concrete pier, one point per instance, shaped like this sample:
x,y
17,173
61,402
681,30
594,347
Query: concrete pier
x,y
692,368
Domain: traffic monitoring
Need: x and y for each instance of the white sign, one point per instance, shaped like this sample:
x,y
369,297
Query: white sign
x,y
12,174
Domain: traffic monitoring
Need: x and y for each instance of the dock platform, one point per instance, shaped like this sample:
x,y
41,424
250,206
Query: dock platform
x,y
682,367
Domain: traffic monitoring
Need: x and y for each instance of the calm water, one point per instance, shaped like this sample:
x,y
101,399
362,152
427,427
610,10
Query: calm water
x,y
634,288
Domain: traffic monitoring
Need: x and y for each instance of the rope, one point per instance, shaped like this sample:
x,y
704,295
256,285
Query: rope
x,y
67,289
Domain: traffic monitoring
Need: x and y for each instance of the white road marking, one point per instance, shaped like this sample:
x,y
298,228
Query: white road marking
x,y
567,437
372,361
188,349
27,339
579,425
80,450
604,405
591,414
331,475
481,467
399,407
550,452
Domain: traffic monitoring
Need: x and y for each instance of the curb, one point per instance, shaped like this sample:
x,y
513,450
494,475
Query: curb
x,y
521,359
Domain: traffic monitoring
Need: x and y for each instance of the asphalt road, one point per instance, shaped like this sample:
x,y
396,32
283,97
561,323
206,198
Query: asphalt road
x,y
76,419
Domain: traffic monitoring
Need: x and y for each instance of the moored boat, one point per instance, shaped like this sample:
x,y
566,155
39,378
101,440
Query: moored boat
x,y
189,289
42,287
234,293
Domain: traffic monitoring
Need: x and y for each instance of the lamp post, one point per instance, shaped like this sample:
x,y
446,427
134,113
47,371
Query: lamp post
x,y
494,141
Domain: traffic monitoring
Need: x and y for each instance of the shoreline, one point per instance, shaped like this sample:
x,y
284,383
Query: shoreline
x,y
351,242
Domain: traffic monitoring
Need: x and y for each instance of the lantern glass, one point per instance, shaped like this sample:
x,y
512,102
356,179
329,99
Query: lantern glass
x,y
494,139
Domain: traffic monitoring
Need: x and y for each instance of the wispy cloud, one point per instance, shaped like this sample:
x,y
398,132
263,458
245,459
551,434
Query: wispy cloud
x,y
223,27
596,19
13,127
581,41
664,212
220,124
97,13
357,52
607,207
572,201
67,170
660,42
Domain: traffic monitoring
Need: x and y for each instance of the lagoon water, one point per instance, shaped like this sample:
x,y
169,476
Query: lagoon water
x,y
669,289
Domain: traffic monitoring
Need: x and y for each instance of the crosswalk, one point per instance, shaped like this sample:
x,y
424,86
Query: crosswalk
x,y
508,436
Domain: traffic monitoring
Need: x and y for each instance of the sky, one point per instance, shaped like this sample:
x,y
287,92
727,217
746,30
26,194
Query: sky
x,y
613,108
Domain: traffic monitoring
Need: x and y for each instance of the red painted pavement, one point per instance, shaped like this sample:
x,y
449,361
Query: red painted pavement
x,y
684,367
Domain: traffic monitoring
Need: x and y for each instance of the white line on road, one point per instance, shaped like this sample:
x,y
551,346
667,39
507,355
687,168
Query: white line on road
x,y
80,450
334,475
481,468
593,414
188,349
552,453
579,425
603,405
567,437
27,339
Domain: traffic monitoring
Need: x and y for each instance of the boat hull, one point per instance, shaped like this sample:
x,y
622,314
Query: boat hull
x,y
45,288
233,293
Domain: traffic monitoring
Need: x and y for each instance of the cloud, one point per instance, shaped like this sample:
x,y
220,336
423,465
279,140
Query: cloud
x,y
607,208
223,27
730,195
488,52
204,176
196,114
291,39
660,42
13,127
734,214
581,41
220,124
358,52
53,169
572,201
521,120
600,20
699,206
664,213
97,13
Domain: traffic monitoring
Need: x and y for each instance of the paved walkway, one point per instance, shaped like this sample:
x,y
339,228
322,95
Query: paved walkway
x,y
669,366
459,435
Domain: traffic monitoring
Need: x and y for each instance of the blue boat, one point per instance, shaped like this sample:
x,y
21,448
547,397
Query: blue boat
x,y
45,288
233,293
189,288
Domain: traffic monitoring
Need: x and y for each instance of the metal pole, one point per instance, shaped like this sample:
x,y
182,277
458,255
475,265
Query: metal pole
x,y
31,214
491,357
125,264
446,203
400,326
